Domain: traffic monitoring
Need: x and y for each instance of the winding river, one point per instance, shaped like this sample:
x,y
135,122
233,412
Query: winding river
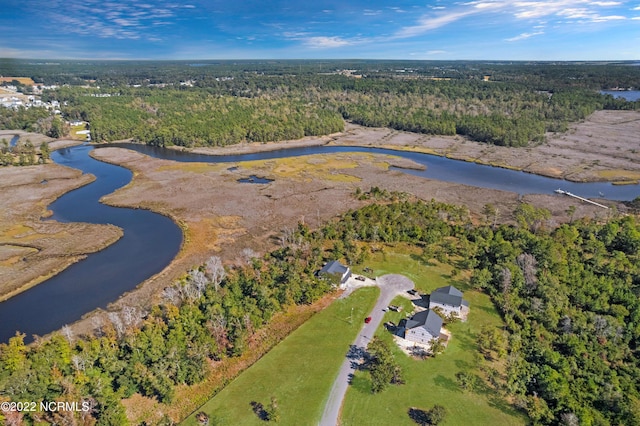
x,y
438,168
151,240
149,243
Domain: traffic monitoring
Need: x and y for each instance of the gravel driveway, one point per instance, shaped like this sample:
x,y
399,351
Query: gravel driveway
x,y
390,286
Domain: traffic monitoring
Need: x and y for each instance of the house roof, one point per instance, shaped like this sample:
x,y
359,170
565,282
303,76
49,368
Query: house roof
x,y
334,267
428,320
448,295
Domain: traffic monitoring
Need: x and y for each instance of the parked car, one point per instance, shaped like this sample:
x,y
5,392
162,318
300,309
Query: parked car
x,y
395,308
367,320
412,292
360,278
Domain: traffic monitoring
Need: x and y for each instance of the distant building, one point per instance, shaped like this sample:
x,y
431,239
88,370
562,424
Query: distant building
x,y
423,327
449,300
335,268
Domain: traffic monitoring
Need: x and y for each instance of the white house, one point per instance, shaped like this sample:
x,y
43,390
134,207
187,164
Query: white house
x,y
449,300
423,327
337,269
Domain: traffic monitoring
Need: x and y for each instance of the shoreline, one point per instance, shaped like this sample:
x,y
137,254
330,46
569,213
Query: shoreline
x,y
146,291
81,180
75,259
452,147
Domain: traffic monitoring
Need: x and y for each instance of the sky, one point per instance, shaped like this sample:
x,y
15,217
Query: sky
x,y
321,29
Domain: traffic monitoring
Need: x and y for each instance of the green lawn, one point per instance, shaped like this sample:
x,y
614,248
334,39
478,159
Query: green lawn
x,y
403,259
431,381
298,372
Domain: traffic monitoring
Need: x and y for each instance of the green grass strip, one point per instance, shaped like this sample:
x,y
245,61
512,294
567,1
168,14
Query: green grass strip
x,y
298,372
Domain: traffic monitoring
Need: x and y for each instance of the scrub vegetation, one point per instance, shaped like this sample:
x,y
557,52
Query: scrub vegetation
x,y
555,332
299,372
223,103
567,296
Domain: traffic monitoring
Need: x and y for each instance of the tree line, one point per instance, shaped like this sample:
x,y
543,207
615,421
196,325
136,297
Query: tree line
x,y
281,108
568,296
222,103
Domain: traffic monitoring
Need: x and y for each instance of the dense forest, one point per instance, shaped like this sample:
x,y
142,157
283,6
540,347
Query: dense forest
x,y
196,117
220,103
113,73
568,297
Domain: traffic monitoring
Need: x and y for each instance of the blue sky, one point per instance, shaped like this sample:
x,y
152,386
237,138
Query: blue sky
x,y
287,29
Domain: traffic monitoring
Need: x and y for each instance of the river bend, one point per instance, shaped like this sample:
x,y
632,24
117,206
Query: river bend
x,y
151,240
149,243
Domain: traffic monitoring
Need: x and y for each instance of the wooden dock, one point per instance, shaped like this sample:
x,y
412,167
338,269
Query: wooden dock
x,y
560,191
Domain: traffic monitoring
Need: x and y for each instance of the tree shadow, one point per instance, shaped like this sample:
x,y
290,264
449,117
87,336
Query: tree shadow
x,y
488,309
361,384
458,283
418,416
359,357
420,259
466,343
462,365
259,410
444,382
497,402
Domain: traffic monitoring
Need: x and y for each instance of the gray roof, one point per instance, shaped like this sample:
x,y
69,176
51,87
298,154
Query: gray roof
x,y
334,267
427,319
448,295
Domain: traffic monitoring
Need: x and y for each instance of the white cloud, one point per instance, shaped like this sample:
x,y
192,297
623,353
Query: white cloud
x,y
524,36
436,52
608,18
109,19
326,42
605,3
428,23
487,4
540,12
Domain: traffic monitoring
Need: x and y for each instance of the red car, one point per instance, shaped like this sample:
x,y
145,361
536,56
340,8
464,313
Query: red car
x,y
367,320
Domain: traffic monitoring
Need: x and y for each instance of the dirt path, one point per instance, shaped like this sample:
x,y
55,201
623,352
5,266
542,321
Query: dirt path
x,y
390,286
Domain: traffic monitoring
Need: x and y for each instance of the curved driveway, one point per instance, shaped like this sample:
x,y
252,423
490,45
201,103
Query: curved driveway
x,y
390,286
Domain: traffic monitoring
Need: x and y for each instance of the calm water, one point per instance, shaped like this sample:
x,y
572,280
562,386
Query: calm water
x,y
630,95
439,168
254,179
149,243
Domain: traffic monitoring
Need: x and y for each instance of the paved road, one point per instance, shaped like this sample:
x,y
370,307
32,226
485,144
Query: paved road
x,y
390,286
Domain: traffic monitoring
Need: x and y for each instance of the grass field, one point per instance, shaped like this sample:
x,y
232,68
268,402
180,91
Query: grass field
x,y
431,381
298,372
73,132
620,175
327,167
23,80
